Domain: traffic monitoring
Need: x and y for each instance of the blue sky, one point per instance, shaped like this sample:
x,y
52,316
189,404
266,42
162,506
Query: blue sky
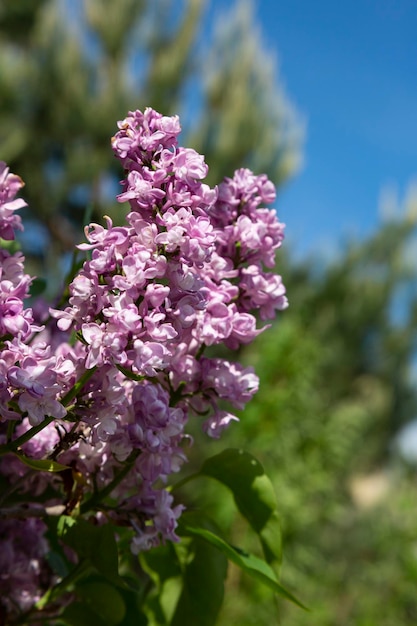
x,y
350,68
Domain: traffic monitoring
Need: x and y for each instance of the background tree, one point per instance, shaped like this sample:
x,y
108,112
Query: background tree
x,y
337,385
69,71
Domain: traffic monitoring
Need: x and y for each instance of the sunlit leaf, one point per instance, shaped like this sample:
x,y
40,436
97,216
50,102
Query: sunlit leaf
x,y
163,566
43,465
254,496
203,585
252,565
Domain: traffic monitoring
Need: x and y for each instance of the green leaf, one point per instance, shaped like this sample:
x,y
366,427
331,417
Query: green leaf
x,y
77,573
105,556
163,567
79,614
96,543
160,605
189,582
254,496
104,600
44,465
161,563
57,563
56,556
133,615
37,287
255,567
203,584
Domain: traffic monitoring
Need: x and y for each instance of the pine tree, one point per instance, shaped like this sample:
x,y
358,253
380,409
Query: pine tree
x,y
69,71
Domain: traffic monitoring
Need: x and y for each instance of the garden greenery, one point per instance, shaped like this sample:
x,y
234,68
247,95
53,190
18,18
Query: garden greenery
x,y
96,393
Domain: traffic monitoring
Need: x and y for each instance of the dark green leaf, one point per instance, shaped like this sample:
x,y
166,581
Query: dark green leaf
x,y
104,600
161,563
96,543
105,556
57,563
37,287
133,615
80,614
56,556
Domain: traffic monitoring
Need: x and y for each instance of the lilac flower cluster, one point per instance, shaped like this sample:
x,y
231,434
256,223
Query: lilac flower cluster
x,y
114,383
24,573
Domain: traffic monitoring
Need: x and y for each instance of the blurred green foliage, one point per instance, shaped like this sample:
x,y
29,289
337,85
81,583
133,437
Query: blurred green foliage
x,y
337,385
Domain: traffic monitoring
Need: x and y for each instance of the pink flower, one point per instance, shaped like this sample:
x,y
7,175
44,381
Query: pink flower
x,y
216,423
189,165
10,184
39,408
103,346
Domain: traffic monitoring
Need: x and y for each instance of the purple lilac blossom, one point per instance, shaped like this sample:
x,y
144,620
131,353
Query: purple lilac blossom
x,y
24,572
10,184
190,268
